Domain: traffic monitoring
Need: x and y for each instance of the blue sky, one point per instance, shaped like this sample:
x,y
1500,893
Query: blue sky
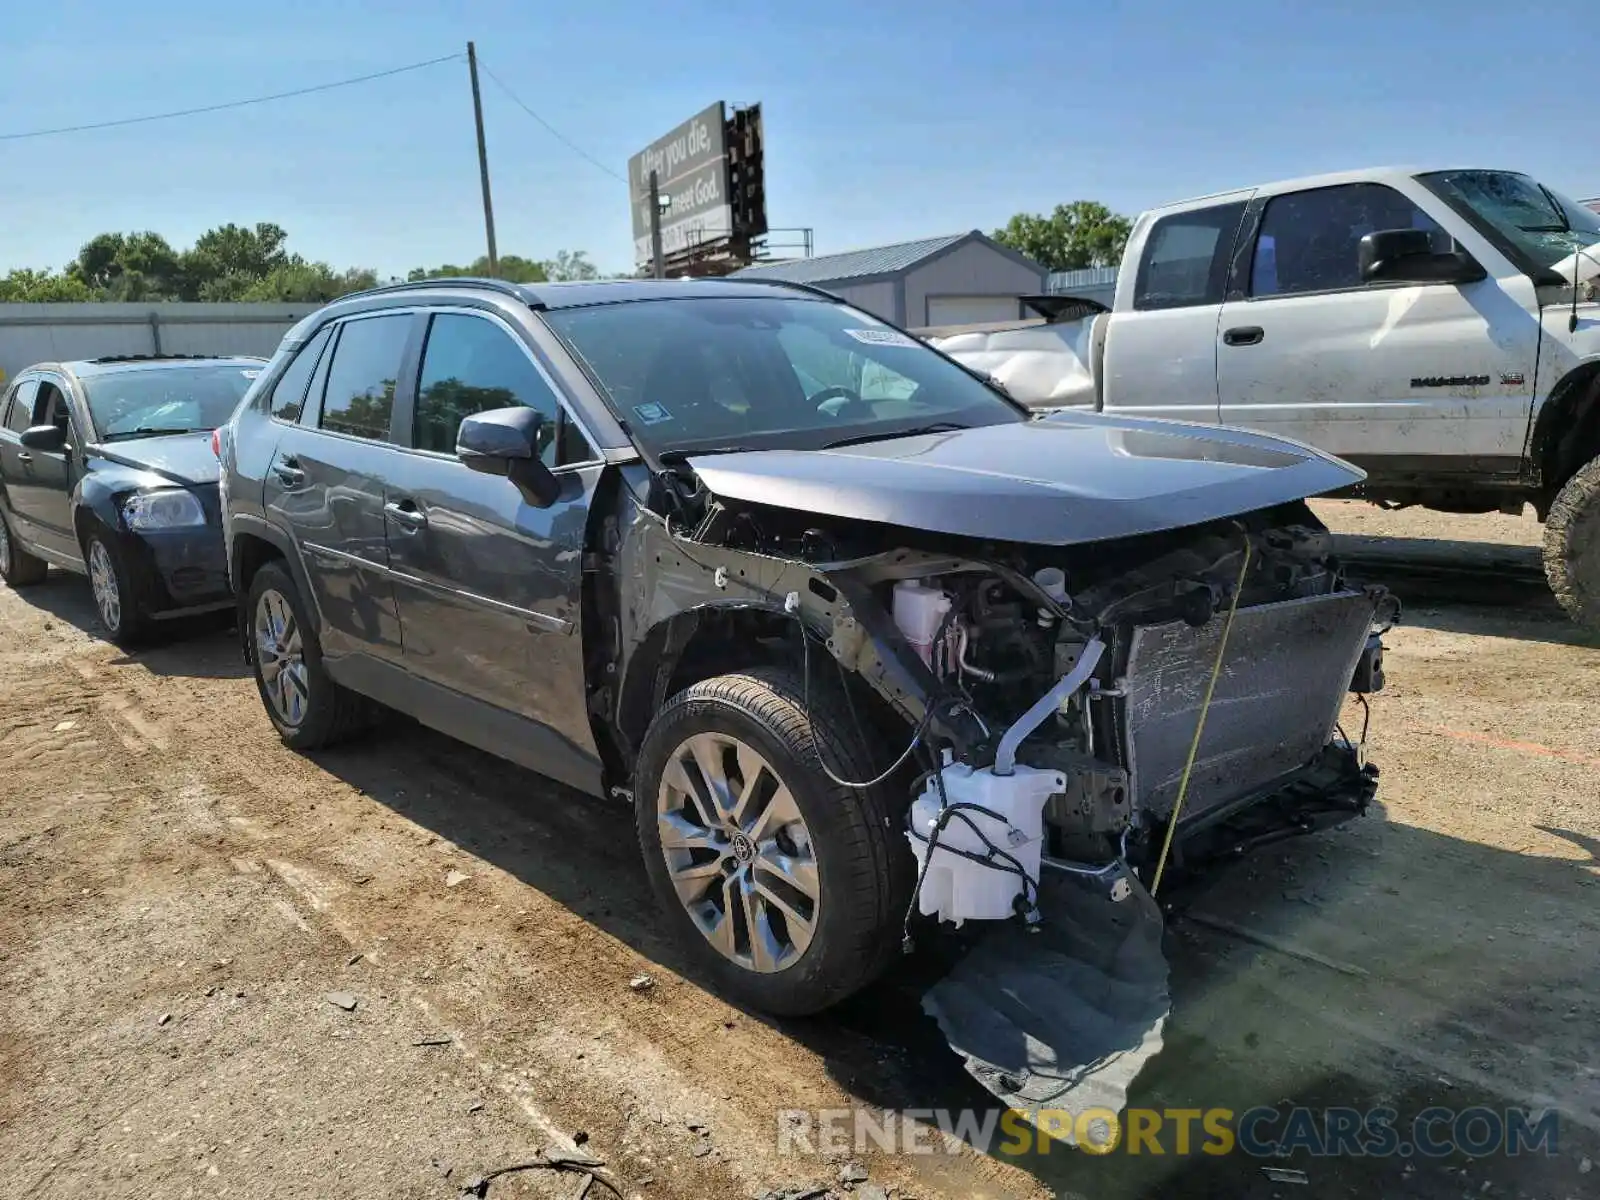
x,y
883,121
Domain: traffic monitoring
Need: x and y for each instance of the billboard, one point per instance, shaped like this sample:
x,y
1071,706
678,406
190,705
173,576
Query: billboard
x,y
691,166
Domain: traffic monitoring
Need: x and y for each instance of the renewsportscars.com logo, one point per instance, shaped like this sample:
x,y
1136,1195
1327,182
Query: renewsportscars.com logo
x,y
1263,1132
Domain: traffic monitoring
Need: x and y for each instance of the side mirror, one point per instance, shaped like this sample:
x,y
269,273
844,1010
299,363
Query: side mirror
x,y
505,441
49,438
1408,256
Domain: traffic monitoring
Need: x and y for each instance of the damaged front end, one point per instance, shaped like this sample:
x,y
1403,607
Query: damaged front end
x,y
1084,722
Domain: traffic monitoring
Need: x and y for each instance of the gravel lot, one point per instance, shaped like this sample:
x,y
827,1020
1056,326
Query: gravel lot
x,y
179,895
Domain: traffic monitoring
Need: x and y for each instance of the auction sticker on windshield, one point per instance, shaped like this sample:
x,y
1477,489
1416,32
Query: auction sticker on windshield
x,y
652,414
880,337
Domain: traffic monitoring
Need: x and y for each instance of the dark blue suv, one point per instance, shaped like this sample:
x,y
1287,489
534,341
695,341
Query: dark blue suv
x,y
764,566
107,469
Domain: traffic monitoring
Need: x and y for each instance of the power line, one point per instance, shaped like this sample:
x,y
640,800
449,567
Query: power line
x,y
551,129
211,108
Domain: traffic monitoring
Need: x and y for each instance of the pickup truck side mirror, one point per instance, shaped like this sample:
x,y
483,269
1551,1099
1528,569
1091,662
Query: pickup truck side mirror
x,y
505,441
51,439
1408,256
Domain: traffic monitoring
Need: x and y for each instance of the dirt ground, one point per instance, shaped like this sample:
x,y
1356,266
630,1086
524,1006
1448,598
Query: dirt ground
x,y
180,895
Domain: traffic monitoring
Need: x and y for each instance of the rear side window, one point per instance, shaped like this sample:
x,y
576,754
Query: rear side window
x,y
1185,259
359,397
1311,241
289,396
21,414
470,366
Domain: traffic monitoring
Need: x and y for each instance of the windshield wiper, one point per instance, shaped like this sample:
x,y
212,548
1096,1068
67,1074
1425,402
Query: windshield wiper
x,y
149,431
885,435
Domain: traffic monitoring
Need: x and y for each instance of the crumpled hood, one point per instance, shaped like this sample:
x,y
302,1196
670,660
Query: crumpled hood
x,y
178,458
1062,479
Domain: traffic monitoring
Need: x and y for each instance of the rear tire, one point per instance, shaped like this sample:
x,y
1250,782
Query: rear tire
x,y
17,567
1572,546
844,847
306,706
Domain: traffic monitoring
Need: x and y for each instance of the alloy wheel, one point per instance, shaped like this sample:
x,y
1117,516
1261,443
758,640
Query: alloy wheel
x,y
280,657
5,548
103,579
738,852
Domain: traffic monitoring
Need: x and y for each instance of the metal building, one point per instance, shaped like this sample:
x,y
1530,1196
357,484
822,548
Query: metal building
x,y
961,279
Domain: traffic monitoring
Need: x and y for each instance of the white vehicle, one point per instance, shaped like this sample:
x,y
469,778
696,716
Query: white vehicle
x,y
1437,328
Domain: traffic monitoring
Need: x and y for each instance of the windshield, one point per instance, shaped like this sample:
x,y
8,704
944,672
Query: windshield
x,y
1522,216
155,400
739,373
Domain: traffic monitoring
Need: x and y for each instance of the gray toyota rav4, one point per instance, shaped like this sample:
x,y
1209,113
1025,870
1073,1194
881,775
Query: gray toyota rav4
x,y
863,642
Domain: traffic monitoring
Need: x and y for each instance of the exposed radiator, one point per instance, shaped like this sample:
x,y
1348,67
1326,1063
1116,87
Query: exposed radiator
x,y
1284,677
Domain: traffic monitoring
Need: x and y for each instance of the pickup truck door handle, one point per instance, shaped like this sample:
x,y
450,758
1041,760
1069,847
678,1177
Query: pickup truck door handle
x,y
406,513
1243,335
288,472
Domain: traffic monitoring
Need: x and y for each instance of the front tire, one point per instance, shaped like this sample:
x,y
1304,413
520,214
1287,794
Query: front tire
x,y
306,706
117,599
1572,546
787,886
17,567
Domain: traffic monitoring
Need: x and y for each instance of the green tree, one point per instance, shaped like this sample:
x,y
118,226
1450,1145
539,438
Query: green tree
x,y
130,266
302,281
571,264
513,267
27,286
1084,233
233,251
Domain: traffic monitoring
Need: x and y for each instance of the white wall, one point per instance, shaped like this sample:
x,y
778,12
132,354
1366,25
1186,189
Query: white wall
x,y
971,270
31,333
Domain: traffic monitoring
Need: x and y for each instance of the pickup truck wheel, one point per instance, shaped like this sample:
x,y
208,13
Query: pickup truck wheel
x,y
1572,546
17,567
788,887
308,708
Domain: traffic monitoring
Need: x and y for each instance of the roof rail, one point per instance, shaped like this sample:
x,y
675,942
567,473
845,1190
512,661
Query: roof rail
x,y
787,283
446,281
116,358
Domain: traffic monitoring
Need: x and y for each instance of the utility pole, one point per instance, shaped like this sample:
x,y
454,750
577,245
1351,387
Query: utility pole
x,y
655,227
483,159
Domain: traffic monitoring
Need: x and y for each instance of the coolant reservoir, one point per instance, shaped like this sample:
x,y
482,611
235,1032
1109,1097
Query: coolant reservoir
x,y
919,610
958,888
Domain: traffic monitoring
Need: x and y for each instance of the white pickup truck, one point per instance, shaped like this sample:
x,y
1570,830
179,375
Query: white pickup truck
x,y
1437,328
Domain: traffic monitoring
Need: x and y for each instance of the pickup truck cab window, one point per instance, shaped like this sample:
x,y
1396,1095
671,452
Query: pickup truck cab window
x,y
1310,241
1185,260
359,397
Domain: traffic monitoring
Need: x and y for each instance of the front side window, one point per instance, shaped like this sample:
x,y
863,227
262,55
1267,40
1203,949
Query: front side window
x,y
20,417
1311,241
1185,258
469,366
154,401
289,395
359,396
1537,226
705,373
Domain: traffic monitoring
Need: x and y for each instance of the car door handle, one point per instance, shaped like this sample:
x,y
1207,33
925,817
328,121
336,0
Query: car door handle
x,y
406,513
288,472
1244,335
24,457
